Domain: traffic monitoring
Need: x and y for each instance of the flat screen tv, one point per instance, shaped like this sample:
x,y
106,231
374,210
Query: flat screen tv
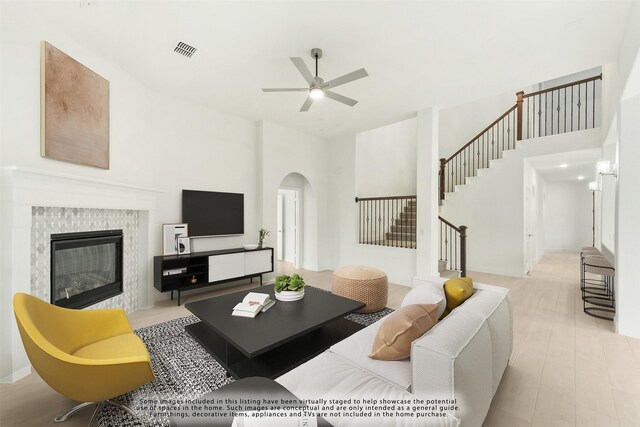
x,y
211,213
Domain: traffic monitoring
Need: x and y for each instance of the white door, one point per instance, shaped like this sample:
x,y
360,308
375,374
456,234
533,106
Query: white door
x,y
280,226
531,223
290,229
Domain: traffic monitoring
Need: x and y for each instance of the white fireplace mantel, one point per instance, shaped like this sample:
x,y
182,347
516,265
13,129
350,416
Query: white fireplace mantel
x,y
23,188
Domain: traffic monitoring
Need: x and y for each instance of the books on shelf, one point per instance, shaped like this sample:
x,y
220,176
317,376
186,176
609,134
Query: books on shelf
x,y
252,304
174,271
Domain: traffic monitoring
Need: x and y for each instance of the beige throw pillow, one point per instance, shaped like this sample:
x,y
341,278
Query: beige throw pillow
x,y
399,329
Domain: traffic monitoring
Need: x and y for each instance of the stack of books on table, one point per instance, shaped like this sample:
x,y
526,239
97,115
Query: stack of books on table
x,y
253,304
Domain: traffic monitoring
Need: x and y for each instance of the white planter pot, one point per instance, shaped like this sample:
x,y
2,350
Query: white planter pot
x,y
290,295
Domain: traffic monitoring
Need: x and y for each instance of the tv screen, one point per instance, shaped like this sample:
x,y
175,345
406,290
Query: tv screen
x,y
210,213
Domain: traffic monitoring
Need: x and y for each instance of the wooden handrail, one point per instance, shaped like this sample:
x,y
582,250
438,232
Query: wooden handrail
x,y
364,199
506,113
527,95
449,224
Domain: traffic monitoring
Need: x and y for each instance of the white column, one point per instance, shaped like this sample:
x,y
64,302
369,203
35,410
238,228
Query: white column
x,y
427,192
627,224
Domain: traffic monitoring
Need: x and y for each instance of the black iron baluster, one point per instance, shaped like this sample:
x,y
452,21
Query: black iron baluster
x,y
494,140
565,110
450,246
528,119
455,252
368,222
558,110
571,108
593,113
359,221
546,108
398,219
503,133
440,245
551,113
533,132
586,105
579,105
483,161
388,218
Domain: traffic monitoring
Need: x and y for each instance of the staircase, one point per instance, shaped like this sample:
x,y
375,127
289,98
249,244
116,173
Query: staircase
x,y
560,109
403,231
494,161
387,221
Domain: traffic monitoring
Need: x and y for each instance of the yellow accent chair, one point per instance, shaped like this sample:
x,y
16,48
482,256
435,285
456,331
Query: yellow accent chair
x,y
85,355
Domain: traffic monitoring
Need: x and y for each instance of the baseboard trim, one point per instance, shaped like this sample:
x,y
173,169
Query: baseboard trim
x,y
15,376
628,329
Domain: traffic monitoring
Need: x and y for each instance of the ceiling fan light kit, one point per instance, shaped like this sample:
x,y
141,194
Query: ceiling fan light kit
x,y
317,87
316,92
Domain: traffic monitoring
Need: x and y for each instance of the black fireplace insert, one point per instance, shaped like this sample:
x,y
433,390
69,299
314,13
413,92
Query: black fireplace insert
x,y
86,267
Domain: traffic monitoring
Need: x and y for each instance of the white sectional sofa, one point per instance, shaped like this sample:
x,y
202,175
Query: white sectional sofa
x,y
462,357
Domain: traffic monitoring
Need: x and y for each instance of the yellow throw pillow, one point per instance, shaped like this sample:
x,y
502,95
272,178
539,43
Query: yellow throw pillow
x,y
400,329
456,291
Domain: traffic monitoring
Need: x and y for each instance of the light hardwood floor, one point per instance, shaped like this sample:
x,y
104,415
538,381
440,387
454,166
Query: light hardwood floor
x,y
566,369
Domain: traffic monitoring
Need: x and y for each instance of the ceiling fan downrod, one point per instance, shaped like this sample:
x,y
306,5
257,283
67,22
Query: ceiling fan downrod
x,y
316,53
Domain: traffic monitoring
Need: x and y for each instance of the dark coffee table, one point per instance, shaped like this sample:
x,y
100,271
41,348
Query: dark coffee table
x,y
274,342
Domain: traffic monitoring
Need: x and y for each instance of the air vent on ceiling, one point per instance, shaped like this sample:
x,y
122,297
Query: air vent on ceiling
x,y
185,50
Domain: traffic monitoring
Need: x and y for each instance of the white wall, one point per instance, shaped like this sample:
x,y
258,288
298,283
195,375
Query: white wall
x,y
156,141
461,123
627,234
492,204
567,216
398,263
607,199
385,160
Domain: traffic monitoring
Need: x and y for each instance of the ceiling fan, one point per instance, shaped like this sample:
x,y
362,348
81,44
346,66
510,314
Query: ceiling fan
x,y
317,86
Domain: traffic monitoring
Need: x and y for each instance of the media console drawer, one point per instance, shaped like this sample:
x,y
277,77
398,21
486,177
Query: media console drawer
x,y
223,267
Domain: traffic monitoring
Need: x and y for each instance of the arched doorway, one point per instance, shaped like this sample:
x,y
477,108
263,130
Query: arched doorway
x,y
297,222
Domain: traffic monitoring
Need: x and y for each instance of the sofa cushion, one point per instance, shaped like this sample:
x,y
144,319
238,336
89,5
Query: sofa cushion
x,y
126,345
400,328
456,292
328,376
356,349
427,293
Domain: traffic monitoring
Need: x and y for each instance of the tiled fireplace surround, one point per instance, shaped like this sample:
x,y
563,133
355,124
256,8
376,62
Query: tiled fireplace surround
x,y
37,203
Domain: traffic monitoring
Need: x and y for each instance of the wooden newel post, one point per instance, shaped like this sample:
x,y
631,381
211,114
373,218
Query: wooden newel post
x,y
463,251
520,96
443,162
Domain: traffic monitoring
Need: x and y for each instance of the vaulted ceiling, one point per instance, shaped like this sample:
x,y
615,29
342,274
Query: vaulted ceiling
x,y
418,54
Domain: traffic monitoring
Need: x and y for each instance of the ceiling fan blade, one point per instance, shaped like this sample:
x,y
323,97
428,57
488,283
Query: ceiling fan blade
x,y
286,89
354,75
306,105
304,70
340,98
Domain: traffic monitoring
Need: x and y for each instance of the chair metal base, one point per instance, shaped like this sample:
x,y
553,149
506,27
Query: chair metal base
x,y
64,417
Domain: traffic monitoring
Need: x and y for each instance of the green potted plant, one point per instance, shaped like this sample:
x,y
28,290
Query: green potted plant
x,y
289,288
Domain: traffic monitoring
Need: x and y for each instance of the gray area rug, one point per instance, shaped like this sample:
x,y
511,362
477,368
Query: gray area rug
x,y
184,371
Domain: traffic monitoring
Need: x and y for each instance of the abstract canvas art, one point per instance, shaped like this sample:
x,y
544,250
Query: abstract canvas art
x,y
74,111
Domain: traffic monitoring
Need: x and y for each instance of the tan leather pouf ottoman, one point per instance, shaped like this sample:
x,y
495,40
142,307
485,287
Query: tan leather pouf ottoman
x,y
364,284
